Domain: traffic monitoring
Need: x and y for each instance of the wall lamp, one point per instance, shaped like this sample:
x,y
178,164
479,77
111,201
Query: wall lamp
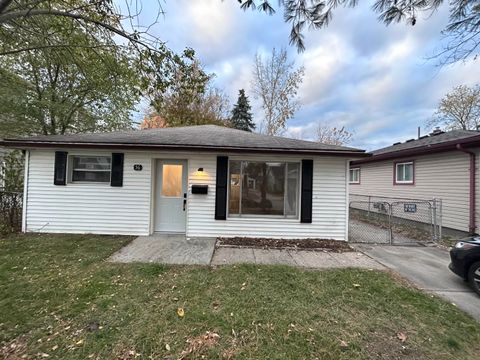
x,y
200,169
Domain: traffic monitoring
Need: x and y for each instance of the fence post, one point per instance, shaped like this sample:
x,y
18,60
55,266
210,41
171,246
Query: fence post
x,y
390,232
440,219
369,197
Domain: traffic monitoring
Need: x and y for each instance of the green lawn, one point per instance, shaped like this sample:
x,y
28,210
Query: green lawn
x,y
60,299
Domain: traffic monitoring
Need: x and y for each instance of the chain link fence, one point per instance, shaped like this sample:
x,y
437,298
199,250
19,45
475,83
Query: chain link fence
x,y
382,220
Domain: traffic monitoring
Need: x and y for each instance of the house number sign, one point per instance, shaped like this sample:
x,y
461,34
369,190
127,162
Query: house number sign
x,y
137,167
410,208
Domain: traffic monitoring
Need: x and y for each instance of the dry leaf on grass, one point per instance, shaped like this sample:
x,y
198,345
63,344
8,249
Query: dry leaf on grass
x,y
343,344
402,337
181,312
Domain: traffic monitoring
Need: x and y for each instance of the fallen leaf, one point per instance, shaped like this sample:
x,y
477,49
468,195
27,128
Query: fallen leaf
x,y
356,285
343,344
402,337
167,347
181,312
55,347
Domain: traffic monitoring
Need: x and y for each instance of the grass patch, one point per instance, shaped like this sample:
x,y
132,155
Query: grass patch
x,y
58,296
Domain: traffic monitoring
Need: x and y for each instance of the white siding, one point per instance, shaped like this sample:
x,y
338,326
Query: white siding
x,y
328,212
444,176
88,208
102,209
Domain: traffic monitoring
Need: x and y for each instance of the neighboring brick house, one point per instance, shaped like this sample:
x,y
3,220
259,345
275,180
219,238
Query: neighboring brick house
x,y
442,165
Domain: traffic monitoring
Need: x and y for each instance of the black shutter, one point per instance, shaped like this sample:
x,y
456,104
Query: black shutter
x,y
221,190
60,173
117,170
307,184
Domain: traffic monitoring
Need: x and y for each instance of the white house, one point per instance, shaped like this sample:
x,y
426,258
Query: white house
x,y
199,180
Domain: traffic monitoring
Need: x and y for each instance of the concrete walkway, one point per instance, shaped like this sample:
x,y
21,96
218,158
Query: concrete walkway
x,y
427,267
300,258
176,249
167,249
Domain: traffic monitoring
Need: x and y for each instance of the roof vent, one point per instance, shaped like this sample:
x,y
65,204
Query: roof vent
x,y
410,140
437,131
397,143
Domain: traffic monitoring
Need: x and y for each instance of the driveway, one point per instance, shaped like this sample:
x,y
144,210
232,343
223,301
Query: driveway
x,y
427,267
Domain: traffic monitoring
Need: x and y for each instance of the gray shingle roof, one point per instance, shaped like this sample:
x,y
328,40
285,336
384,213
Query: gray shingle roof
x,y
192,137
427,141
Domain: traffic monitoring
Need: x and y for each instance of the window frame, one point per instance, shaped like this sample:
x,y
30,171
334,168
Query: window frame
x,y
253,216
395,172
354,182
71,169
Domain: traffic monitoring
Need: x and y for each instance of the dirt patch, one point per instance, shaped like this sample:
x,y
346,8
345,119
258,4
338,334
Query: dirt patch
x,y
198,344
383,346
303,244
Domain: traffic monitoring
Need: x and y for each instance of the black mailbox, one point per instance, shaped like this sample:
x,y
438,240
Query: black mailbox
x,y
200,189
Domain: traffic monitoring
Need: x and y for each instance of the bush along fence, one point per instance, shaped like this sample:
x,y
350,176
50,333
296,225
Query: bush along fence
x,y
10,211
375,219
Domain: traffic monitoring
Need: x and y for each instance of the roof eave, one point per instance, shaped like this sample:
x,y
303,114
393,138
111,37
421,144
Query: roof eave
x,y
473,141
24,144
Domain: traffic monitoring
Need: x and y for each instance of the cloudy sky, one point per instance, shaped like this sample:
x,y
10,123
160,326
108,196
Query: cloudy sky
x,y
376,81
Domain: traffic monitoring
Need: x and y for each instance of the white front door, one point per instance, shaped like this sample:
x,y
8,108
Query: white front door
x,y
171,196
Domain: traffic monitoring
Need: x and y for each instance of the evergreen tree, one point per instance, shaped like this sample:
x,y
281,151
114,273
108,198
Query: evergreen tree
x,y
242,118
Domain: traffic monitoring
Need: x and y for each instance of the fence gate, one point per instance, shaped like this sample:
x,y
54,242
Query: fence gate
x,y
369,222
394,221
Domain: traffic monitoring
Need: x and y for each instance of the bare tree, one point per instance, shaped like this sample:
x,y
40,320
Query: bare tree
x,y
459,109
332,135
275,83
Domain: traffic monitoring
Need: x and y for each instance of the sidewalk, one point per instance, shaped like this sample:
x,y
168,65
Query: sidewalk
x,y
300,258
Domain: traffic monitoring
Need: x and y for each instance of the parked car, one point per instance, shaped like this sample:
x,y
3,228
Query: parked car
x,y
465,261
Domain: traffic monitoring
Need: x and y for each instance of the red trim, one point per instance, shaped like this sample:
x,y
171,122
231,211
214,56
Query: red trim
x,y
472,193
473,141
359,176
395,183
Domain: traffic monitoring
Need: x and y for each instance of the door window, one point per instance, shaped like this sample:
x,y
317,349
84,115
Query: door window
x,y
172,180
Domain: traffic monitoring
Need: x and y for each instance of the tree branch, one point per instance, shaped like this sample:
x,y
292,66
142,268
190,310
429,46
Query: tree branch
x,y
52,46
9,16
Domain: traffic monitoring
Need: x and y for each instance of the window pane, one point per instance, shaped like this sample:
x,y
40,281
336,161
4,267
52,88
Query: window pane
x,y
351,175
263,188
234,190
400,172
91,162
93,176
291,201
408,172
172,180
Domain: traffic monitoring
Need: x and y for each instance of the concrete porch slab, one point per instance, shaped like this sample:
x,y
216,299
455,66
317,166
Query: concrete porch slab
x,y
167,249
